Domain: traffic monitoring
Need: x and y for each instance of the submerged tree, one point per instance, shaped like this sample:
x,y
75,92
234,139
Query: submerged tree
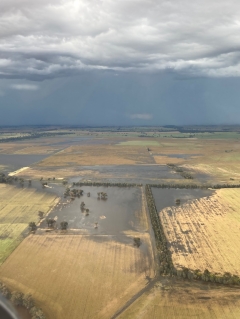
x,y
136,241
50,222
64,225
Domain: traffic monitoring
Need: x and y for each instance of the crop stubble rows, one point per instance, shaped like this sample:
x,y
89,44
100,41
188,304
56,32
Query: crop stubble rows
x,y
204,234
83,276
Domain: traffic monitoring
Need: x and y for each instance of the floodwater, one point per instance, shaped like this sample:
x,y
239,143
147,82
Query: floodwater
x,y
126,173
167,197
185,156
17,161
80,141
115,215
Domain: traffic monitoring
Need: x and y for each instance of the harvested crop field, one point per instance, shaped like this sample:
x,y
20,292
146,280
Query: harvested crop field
x,y
100,155
182,300
18,207
81,276
204,233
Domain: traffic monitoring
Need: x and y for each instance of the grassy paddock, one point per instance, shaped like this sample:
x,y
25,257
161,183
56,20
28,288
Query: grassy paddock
x,y
19,206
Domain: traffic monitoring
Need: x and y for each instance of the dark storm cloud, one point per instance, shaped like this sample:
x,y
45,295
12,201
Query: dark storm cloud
x,y
52,38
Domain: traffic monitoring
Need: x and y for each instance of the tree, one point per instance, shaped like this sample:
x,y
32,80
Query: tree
x,y
82,206
50,222
27,301
40,214
37,313
17,298
178,201
5,291
64,225
136,241
32,226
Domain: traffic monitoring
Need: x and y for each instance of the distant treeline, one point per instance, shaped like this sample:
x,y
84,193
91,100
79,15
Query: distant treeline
x,y
5,179
10,179
106,184
195,186
31,136
166,266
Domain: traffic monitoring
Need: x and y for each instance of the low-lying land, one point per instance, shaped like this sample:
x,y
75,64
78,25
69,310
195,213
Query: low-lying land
x,y
204,233
100,155
18,207
95,269
92,269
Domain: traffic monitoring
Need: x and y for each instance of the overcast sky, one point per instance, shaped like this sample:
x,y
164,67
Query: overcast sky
x,y
121,62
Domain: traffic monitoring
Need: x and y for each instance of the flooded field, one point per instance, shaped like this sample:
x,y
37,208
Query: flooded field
x,y
13,162
167,197
120,212
127,173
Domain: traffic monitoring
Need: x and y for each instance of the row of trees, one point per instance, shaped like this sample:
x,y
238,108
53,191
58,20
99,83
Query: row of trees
x,y
10,179
32,135
25,300
50,223
105,184
227,278
180,170
166,266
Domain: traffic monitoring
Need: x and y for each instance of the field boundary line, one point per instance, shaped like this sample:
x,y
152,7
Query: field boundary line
x,y
134,298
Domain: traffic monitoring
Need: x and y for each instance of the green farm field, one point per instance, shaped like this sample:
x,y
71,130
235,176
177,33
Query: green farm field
x,y
18,207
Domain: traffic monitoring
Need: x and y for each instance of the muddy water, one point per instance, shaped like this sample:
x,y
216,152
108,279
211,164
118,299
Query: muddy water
x,y
116,214
16,161
126,173
167,197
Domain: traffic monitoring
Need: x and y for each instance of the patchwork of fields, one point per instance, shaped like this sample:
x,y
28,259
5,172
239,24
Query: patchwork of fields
x,y
89,273
204,233
100,155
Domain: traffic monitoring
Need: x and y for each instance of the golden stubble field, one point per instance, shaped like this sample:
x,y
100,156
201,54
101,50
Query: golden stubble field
x,y
173,299
205,233
78,276
18,207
